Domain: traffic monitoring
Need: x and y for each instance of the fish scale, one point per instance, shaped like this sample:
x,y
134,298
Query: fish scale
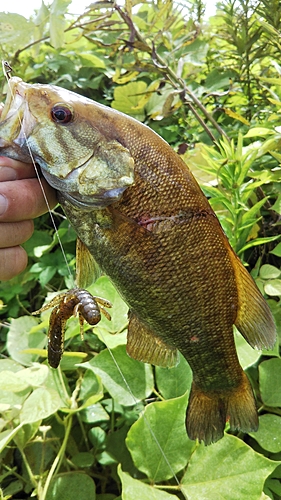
x,y
141,214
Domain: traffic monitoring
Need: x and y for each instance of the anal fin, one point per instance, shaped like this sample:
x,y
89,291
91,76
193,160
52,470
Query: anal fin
x,y
143,345
254,319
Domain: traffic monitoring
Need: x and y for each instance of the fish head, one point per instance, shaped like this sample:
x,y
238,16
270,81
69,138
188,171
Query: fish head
x,y
61,132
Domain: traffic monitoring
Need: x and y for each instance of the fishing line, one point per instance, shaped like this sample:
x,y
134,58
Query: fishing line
x,y
6,70
147,423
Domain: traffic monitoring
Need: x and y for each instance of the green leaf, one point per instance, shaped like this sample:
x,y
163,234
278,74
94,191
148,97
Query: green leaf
x,y
267,271
127,380
93,414
228,470
246,354
259,132
59,7
127,97
34,376
15,30
72,486
83,459
273,287
26,433
277,250
161,430
258,241
174,382
39,405
277,205
119,311
250,215
270,378
19,338
10,382
132,489
92,61
7,436
57,27
269,433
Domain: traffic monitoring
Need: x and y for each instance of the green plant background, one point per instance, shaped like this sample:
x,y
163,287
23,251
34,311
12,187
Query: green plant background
x,y
104,426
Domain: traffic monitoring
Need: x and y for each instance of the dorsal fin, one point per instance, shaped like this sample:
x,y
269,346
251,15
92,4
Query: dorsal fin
x,y
254,319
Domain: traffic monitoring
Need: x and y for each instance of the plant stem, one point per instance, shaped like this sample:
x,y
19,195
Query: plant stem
x,y
177,82
57,462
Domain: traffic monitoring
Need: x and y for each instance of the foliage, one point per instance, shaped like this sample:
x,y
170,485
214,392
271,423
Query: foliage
x,y
103,425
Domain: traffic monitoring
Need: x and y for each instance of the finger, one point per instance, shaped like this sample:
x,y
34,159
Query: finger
x,y
15,233
12,262
12,169
23,199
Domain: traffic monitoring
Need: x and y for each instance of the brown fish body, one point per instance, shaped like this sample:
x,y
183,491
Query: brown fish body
x,y
161,244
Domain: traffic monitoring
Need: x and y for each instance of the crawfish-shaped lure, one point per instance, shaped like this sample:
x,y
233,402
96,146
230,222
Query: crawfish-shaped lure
x,y
76,301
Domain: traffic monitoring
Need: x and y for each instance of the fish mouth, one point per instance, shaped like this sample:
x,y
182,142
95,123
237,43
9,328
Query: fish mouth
x,y
97,200
16,123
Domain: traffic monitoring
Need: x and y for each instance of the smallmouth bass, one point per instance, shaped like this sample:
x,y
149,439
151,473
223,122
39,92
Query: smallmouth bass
x,y
141,214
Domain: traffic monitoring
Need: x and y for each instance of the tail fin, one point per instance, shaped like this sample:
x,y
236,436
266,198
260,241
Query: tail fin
x,y
207,413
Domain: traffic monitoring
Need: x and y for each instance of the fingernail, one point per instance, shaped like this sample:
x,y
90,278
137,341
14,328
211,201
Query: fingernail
x,y
7,174
3,204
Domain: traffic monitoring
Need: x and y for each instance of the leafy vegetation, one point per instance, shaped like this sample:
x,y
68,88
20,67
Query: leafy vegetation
x,y
104,426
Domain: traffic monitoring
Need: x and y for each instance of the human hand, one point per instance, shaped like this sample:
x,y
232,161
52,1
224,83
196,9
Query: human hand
x,y
21,200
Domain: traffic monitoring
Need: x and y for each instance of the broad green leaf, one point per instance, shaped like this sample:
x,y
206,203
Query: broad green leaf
x,y
72,486
26,433
83,459
226,470
161,430
127,380
97,436
39,405
7,436
246,354
10,399
269,433
92,61
9,365
15,30
34,376
127,97
259,132
57,27
59,6
132,489
267,271
19,338
93,414
174,382
119,312
116,447
10,382
270,382
273,287
91,387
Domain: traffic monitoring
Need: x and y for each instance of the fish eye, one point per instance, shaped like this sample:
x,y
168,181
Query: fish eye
x,y
61,113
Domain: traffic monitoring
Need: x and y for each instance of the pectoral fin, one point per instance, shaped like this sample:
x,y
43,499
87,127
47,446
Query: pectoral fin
x,y
87,270
143,345
254,319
